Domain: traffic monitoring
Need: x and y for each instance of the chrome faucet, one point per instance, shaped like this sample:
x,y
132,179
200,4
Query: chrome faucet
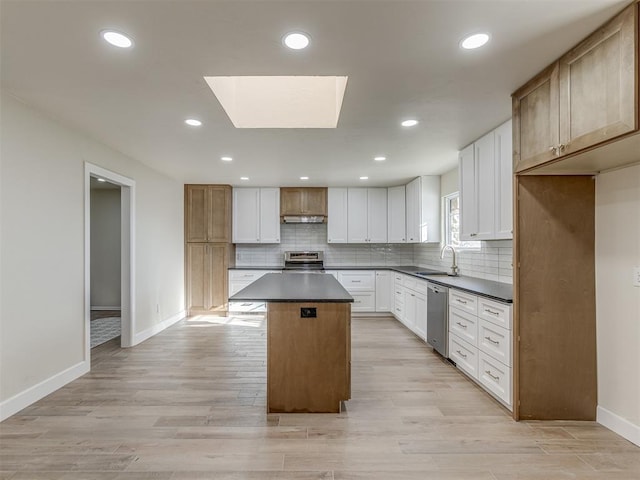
x,y
454,267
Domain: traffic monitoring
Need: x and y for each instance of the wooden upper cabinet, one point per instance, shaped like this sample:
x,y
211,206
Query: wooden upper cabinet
x,y
303,201
598,85
208,213
587,97
536,123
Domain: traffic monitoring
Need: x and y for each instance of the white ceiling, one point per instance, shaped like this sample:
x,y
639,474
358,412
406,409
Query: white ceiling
x,y
402,59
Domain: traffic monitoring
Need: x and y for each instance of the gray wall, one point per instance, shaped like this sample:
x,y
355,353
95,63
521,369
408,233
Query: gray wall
x,y
105,248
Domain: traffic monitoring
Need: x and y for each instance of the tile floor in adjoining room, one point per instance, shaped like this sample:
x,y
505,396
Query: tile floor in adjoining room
x,y
189,403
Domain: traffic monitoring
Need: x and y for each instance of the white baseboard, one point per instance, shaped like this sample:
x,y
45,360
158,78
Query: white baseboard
x,y
31,395
619,425
155,329
105,308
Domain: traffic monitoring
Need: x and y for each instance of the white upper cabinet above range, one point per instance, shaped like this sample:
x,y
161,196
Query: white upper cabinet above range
x,y
256,215
486,187
367,215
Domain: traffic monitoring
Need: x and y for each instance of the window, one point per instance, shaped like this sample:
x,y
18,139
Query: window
x,y
452,223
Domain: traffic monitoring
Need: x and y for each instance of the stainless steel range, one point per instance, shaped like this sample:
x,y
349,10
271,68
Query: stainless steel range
x,y
303,262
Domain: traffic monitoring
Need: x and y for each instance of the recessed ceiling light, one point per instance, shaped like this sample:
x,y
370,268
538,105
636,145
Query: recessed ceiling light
x,y
409,123
226,159
192,122
380,159
304,178
296,40
101,180
244,178
364,178
474,41
117,39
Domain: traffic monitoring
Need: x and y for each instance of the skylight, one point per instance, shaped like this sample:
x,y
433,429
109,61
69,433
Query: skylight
x,y
280,101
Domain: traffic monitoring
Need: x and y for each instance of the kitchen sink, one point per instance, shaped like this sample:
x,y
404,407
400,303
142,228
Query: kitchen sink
x,y
431,273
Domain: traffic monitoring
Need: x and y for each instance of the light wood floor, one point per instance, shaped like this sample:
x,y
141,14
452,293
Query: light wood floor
x,y
190,404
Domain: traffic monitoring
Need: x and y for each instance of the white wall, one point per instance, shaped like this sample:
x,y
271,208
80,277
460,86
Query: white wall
x,y
449,182
617,301
105,248
42,249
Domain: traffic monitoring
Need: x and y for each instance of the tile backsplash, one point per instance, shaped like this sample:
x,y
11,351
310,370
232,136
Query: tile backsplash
x,y
492,261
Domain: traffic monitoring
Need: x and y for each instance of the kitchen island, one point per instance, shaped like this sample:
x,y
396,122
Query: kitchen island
x,y
308,341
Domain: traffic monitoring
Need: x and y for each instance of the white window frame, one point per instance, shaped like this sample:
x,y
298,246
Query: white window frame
x,y
460,244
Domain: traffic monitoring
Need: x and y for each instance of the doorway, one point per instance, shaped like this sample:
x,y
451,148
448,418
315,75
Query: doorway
x,y
123,189
105,239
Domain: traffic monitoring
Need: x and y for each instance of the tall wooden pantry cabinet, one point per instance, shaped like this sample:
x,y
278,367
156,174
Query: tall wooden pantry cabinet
x,y
208,248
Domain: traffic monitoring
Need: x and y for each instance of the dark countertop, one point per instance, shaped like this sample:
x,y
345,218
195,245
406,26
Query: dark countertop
x,y
294,287
502,292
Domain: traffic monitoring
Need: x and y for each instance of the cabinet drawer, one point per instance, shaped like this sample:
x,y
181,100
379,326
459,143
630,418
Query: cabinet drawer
x,y
464,325
495,341
354,281
464,301
398,294
465,356
248,275
397,277
415,284
363,302
495,312
398,311
495,377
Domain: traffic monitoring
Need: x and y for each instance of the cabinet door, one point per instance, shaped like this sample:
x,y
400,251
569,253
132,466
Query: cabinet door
x,y
219,213
377,215
504,182
468,203
485,186
384,299
413,211
246,215
536,120
337,215
597,85
421,316
357,231
269,215
410,307
291,201
217,265
196,201
207,277
314,201
197,277
396,215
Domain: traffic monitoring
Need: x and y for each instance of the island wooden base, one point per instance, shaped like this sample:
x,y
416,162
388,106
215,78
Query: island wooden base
x,y
308,359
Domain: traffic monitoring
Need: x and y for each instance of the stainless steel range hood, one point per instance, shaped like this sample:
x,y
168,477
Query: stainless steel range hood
x,y
303,219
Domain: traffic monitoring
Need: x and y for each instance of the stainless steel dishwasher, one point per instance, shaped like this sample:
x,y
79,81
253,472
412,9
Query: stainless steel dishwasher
x,y
438,318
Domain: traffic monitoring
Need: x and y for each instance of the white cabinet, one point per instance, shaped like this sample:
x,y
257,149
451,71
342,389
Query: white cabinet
x,y
396,215
337,215
256,215
480,341
384,282
238,279
367,215
504,182
410,303
423,210
486,186
361,285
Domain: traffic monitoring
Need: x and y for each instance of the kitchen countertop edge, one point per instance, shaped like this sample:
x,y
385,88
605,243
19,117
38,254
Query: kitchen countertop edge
x,y
501,292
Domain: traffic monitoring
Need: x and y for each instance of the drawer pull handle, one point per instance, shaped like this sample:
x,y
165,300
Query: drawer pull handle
x,y
462,325
461,354
496,378
495,342
491,312
356,281
461,301
398,293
